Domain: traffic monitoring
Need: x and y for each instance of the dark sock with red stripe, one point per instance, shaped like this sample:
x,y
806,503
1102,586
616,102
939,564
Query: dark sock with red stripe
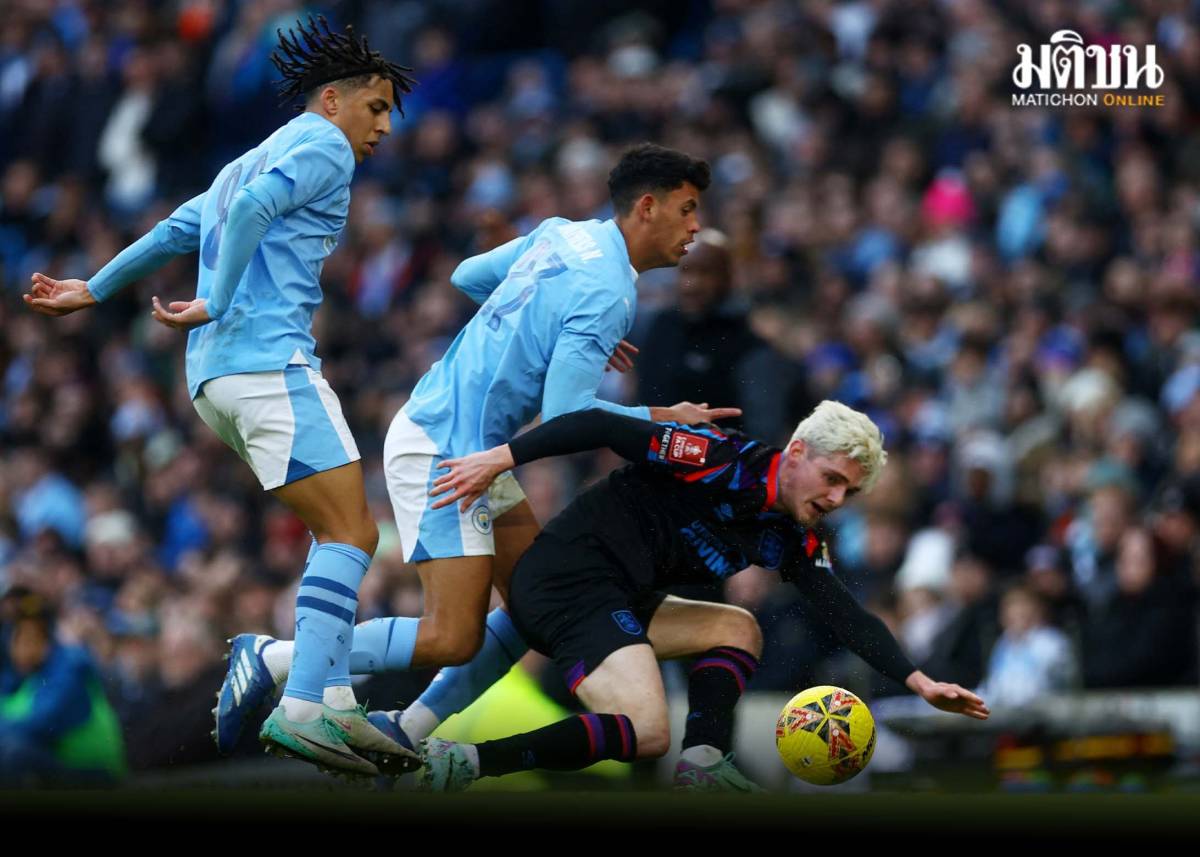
x,y
715,684
567,745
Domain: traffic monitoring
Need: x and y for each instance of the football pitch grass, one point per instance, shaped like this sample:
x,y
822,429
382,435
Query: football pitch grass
x,y
821,817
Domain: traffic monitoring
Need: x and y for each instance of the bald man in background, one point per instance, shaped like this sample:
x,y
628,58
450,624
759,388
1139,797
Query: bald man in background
x,y
703,350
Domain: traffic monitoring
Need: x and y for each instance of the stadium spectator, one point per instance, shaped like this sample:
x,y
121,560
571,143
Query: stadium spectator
x,y
56,725
1145,636
1032,658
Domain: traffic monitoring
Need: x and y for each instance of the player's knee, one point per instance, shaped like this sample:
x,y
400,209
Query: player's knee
x,y
368,535
743,631
362,534
458,647
653,736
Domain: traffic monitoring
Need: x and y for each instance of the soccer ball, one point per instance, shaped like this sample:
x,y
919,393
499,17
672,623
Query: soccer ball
x,y
825,735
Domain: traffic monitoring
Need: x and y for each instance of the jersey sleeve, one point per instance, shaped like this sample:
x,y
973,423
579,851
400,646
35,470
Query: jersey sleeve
x,y
316,167
683,450
250,215
572,387
478,276
593,325
179,233
859,630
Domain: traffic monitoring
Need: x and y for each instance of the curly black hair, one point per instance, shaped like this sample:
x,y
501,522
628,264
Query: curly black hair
x,y
650,168
317,55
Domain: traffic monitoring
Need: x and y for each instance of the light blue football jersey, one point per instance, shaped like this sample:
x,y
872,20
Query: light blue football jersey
x,y
564,295
269,321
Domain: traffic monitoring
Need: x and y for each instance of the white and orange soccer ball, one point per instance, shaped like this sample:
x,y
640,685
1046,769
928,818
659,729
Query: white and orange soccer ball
x,y
825,735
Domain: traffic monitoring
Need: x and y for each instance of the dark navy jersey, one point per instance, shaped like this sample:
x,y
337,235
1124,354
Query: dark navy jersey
x,y
695,506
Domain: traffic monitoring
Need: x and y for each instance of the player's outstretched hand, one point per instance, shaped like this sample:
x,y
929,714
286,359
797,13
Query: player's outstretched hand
x,y
689,414
955,699
181,315
622,357
49,296
470,476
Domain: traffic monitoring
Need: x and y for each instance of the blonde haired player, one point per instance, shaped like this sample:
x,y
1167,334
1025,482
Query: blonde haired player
x,y
698,504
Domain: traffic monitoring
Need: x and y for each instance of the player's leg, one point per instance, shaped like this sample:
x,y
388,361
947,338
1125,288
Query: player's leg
x,y
568,603
333,505
453,555
726,644
629,722
456,687
288,426
452,627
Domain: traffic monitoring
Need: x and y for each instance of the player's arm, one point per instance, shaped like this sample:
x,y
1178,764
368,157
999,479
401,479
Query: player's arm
x,y
583,349
251,211
478,276
177,234
579,431
865,634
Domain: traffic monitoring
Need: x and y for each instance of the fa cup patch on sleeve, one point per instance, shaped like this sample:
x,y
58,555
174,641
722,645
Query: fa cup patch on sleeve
x,y
688,448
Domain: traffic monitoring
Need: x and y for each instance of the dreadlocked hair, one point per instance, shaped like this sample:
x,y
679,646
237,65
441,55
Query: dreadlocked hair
x,y
317,55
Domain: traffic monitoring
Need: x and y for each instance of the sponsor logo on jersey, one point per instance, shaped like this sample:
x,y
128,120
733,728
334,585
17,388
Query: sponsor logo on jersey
x,y
627,622
711,550
663,444
688,448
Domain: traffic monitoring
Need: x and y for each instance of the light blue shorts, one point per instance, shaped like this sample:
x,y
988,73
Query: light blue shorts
x,y
410,464
286,424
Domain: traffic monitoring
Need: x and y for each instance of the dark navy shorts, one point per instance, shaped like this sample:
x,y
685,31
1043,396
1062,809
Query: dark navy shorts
x,y
570,601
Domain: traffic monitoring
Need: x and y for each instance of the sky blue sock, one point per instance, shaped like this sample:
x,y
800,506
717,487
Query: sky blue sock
x,y
325,607
384,645
455,688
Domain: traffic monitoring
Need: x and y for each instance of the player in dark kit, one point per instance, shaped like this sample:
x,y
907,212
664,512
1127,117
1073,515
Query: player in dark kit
x,y
698,504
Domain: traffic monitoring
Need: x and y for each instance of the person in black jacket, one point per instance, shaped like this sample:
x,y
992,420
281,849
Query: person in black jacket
x,y
1144,635
698,504
703,349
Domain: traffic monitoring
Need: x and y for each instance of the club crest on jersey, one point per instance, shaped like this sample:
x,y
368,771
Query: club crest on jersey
x,y
481,519
770,549
688,448
823,561
627,622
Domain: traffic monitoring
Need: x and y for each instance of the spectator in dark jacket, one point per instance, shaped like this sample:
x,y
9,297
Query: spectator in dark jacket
x,y
703,350
1145,636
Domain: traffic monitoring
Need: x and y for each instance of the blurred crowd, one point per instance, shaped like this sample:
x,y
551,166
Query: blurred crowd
x,y
1008,291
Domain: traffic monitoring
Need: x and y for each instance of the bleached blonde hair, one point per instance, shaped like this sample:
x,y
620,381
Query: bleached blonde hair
x,y
833,428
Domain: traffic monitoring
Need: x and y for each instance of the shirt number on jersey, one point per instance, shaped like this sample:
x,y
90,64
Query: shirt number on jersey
x,y
212,243
539,263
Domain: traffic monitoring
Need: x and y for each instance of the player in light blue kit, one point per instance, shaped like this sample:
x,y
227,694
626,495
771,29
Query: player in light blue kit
x,y
555,305
263,231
